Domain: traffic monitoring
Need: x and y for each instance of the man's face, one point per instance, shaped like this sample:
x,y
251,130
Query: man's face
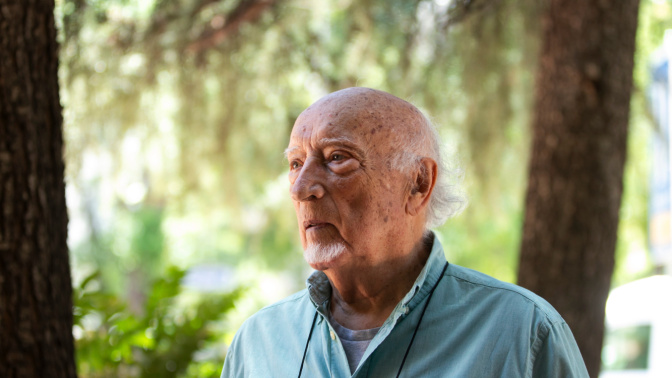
x,y
349,203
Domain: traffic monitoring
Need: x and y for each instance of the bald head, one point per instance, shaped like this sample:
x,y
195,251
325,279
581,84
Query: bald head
x,y
395,127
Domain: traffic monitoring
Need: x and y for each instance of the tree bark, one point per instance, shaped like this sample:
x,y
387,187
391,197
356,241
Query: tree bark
x,y
35,287
575,183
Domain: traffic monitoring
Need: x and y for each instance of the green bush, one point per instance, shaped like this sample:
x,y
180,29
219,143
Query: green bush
x,y
168,339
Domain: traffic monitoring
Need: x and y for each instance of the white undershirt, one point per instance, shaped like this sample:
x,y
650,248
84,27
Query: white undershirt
x,y
354,342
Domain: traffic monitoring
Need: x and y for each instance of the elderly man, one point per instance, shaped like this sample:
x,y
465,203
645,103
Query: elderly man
x,y
366,181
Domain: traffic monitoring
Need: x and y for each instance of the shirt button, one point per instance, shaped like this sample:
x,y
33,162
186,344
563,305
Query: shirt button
x,y
406,310
331,333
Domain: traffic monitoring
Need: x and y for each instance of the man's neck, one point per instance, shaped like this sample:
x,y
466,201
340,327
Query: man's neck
x,y
364,298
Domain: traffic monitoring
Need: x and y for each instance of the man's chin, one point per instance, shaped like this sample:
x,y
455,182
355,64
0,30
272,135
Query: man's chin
x,y
323,256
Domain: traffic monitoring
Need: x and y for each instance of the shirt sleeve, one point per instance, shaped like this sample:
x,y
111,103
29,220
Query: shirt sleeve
x,y
231,368
556,354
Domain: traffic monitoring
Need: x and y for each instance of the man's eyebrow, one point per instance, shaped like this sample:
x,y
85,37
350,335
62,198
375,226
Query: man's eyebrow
x,y
289,150
342,142
338,141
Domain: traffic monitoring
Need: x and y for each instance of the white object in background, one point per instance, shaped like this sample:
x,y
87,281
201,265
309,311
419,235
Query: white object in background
x,y
638,341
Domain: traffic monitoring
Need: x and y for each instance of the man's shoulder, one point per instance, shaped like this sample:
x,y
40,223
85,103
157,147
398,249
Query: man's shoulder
x,y
281,328
287,306
482,285
293,309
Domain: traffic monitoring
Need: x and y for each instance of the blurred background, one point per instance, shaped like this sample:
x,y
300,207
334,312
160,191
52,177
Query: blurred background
x,y
177,113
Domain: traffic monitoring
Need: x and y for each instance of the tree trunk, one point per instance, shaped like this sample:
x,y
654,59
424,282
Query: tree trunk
x,y
576,169
35,288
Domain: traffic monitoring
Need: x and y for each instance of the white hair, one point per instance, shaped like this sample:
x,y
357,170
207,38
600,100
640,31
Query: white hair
x,y
446,199
320,253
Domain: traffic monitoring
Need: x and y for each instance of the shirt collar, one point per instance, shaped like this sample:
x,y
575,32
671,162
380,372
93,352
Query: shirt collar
x,y
319,287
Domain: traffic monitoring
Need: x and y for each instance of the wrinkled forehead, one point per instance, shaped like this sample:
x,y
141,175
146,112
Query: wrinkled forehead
x,y
317,131
368,117
324,126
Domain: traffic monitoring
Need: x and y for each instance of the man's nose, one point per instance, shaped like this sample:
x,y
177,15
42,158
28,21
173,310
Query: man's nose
x,y
308,185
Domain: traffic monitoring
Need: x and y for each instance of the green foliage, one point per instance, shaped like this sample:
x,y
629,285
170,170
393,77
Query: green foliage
x,y
213,120
131,250
167,339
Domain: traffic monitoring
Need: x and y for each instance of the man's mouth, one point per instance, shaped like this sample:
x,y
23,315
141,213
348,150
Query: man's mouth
x,y
314,224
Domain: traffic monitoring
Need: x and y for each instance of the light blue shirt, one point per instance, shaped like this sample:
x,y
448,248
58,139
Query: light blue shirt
x,y
475,326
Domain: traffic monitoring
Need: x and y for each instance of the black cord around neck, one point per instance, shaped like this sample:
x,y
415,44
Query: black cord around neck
x,y
429,297
422,315
312,326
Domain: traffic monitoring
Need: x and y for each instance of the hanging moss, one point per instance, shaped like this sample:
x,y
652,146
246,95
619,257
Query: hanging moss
x,y
210,90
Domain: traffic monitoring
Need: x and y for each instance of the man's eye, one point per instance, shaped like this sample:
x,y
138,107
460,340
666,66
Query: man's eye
x,y
294,164
337,157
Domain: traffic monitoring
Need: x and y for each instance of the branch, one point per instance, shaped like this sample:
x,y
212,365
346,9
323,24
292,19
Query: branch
x,y
461,9
246,11
161,20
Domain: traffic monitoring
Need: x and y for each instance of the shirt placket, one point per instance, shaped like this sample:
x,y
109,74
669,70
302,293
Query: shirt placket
x,y
337,361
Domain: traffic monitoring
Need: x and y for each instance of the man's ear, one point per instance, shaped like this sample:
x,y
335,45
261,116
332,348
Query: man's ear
x,y
424,179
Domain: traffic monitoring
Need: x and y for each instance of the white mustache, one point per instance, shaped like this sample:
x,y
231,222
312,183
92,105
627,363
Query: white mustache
x,y
320,253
